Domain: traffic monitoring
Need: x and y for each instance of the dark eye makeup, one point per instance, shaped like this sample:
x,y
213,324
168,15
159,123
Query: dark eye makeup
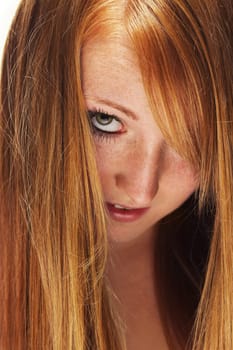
x,y
104,125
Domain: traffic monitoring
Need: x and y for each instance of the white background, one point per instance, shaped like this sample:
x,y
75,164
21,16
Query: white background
x,y
7,11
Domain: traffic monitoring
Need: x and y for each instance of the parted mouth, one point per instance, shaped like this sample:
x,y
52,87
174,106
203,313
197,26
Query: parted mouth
x,y
121,213
121,206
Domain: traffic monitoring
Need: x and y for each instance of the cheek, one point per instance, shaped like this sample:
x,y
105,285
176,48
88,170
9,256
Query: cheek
x,y
176,185
108,161
187,173
112,155
181,179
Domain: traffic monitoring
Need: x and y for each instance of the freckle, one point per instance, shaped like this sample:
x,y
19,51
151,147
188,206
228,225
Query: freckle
x,y
131,142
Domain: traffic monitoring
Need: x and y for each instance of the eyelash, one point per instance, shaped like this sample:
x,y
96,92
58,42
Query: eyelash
x,y
102,135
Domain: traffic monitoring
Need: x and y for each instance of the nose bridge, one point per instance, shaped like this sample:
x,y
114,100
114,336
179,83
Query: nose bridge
x,y
140,176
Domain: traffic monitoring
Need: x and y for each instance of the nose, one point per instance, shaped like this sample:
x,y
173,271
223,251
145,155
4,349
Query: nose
x,y
138,179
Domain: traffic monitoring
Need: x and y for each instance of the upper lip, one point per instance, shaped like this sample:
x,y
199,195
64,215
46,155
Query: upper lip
x,y
126,206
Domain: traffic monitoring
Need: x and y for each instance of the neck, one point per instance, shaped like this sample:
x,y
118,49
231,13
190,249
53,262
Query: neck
x,y
131,272
131,264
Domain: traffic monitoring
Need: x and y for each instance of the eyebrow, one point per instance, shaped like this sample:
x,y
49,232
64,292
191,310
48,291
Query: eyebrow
x,y
115,105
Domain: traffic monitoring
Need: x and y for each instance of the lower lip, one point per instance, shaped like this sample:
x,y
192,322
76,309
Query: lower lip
x,y
125,215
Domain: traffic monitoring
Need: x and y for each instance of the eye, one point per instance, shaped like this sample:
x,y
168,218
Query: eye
x,y
105,122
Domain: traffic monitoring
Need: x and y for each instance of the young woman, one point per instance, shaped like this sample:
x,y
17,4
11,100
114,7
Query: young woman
x,y
116,176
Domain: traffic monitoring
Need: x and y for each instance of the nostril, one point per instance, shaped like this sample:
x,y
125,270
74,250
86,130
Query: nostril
x,y
136,192
139,178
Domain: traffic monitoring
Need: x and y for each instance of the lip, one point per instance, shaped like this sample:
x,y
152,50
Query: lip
x,y
122,215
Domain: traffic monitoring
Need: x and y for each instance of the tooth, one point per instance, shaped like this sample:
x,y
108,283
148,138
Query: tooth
x,y
120,207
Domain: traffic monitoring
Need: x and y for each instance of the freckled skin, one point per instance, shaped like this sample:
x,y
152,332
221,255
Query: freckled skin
x,y
137,168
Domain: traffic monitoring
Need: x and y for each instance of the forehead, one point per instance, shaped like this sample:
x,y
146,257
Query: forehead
x,y
110,69
111,56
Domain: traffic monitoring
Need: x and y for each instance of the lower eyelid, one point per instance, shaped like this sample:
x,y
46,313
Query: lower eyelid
x,y
106,132
104,136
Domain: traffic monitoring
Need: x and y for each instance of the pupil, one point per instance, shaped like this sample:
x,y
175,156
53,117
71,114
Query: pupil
x,y
103,119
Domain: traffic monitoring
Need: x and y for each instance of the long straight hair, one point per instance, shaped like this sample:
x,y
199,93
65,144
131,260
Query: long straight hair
x,y
53,241
185,51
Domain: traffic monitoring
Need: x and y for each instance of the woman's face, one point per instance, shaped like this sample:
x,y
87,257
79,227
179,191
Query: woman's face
x,y
138,170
